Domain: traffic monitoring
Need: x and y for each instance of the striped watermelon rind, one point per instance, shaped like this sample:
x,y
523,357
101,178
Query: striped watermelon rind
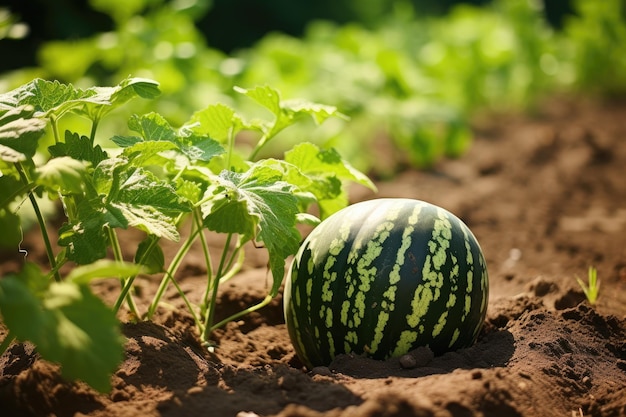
x,y
383,277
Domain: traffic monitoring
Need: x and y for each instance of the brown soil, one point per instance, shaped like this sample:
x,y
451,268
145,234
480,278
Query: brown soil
x,y
546,197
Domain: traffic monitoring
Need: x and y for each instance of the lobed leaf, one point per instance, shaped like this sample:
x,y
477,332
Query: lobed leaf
x,y
326,172
78,147
10,224
258,205
287,111
154,128
149,219
141,188
85,238
265,95
217,121
126,196
64,174
68,324
52,98
150,255
19,134
44,96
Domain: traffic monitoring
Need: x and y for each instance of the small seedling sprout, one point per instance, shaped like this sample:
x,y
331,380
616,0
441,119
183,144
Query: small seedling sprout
x,y
592,289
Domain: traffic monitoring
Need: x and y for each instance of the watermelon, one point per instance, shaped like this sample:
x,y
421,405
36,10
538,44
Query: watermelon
x,y
383,277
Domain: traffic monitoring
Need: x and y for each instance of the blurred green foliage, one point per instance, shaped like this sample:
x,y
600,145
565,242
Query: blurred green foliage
x,y
410,82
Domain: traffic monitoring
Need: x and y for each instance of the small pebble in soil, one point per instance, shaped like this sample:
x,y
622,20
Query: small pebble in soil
x,y
416,358
477,374
408,362
321,370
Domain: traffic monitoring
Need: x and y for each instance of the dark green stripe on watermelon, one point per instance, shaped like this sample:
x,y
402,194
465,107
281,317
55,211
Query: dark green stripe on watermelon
x,y
383,277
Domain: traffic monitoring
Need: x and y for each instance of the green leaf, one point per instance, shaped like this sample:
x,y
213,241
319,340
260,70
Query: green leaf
x,y
126,141
319,112
19,134
143,87
188,189
54,98
149,219
10,188
98,101
10,155
103,268
78,147
44,96
265,95
138,198
287,111
141,188
85,238
327,172
67,323
143,154
154,128
257,205
11,229
217,121
64,174
150,255
200,148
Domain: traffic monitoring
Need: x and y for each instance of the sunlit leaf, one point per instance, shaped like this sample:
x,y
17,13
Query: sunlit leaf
x,y
154,128
259,206
327,173
78,147
66,322
19,134
104,268
217,121
63,174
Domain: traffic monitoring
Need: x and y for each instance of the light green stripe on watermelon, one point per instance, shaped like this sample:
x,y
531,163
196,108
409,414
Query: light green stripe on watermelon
x,y
405,341
440,324
345,307
329,317
383,318
454,338
419,305
331,343
394,278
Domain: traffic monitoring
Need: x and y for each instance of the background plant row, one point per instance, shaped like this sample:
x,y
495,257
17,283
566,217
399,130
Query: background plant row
x,y
404,78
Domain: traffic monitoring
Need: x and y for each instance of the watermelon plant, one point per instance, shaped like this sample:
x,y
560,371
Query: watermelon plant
x,y
383,277
183,184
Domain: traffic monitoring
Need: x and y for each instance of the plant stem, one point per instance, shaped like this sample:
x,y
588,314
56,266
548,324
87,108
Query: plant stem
x,y
92,134
231,146
55,131
268,298
235,267
207,260
171,271
210,312
117,254
181,293
42,223
264,139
